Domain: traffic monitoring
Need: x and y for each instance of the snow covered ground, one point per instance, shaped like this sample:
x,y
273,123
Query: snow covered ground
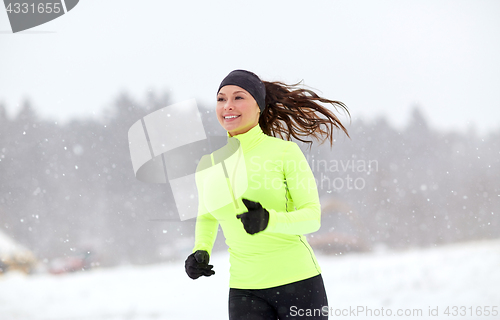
x,y
465,275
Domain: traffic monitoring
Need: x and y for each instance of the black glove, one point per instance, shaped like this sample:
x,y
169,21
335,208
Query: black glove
x,y
256,219
197,265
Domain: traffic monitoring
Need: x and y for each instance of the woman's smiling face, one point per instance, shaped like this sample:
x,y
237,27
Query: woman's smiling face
x,y
237,111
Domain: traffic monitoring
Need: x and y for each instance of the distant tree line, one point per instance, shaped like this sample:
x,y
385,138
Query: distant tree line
x,y
424,186
68,188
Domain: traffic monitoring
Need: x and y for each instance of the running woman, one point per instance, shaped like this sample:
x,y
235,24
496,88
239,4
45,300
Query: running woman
x,y
274,273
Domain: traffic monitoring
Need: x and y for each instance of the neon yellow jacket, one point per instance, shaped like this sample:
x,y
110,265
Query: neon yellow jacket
x,y
280,178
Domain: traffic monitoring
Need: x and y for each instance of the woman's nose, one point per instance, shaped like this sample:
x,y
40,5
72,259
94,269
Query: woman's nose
x,y
228,104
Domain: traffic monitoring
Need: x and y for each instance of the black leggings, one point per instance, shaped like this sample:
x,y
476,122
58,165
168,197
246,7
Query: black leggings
x,y
305,299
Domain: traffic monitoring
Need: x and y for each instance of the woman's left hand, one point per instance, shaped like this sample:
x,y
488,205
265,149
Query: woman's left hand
x,y
256,219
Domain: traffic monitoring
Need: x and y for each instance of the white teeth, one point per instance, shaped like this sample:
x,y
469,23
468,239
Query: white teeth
x,y
230,117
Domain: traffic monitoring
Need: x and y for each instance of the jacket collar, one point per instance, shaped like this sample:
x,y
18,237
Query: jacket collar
x,y
250,139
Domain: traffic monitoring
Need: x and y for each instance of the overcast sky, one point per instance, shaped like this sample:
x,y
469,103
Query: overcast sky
x,y
378,57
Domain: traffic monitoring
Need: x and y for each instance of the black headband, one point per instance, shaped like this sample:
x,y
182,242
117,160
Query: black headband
x,y
248,81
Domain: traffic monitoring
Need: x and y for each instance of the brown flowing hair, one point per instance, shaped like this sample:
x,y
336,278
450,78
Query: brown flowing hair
x,y
292,111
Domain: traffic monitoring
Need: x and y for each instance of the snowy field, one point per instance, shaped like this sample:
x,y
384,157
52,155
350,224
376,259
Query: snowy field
x,y
466,276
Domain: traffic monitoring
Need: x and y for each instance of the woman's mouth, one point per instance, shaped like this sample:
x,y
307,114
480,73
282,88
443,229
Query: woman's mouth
x,y
231,118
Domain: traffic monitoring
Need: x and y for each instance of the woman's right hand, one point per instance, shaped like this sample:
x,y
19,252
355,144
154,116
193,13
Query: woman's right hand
x,y
197,265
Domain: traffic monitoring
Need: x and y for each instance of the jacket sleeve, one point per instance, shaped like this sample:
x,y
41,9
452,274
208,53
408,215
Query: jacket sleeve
x,y
205,233
206,225
301,184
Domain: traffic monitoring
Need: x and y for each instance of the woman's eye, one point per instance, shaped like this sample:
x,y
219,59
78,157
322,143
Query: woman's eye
x,y
220,99
239,97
